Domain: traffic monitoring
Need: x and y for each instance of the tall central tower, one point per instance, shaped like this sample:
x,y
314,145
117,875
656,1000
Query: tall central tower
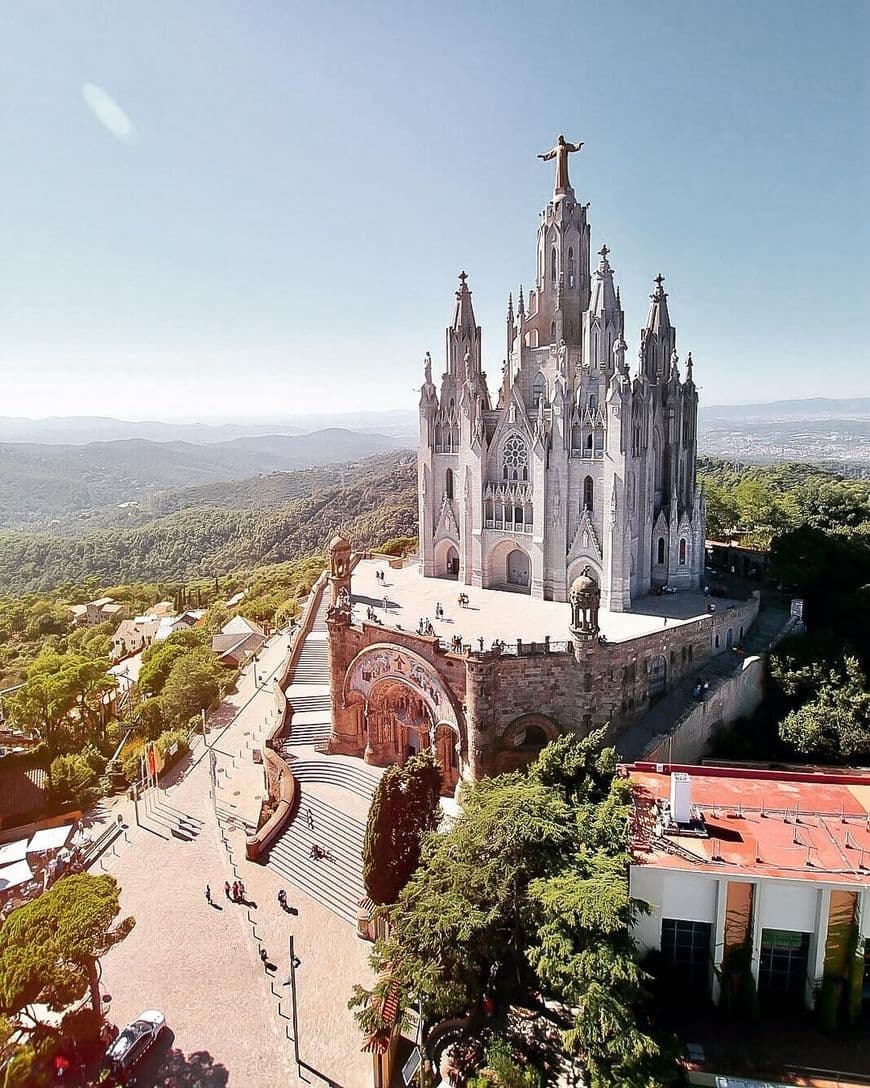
x,y
578,466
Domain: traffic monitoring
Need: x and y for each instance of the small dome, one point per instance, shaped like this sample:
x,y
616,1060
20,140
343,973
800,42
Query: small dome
x,y
584,585
338,542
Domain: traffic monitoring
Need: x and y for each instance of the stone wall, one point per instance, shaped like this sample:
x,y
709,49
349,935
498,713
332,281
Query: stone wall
x,y
499,696
736,696
596,685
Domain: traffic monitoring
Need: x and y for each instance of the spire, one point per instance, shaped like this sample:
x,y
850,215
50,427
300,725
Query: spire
x,y
510,313
521,306
463,314
658,320
658,338
604,298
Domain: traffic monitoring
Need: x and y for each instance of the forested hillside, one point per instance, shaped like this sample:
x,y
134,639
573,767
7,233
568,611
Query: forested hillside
x,y
42,482
378,501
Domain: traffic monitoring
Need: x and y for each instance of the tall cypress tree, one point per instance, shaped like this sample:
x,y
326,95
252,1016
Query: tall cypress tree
x,y
404,808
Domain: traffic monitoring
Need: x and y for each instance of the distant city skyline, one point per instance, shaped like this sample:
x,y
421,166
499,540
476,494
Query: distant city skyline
x,y
214,211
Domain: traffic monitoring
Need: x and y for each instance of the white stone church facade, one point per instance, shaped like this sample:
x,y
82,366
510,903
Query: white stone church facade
x,y
577,464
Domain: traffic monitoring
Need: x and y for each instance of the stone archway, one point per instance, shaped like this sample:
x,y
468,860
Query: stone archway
x,y
523,740
509,566
405,707
446,557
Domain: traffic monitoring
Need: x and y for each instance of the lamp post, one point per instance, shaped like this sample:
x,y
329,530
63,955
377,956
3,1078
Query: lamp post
x,y
293,1000
254,663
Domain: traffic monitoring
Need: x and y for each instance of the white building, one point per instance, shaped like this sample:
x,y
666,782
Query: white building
x,y
576,464
773,863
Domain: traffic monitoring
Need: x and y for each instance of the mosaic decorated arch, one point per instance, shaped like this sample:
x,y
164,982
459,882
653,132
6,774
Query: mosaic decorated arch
x,y
407,708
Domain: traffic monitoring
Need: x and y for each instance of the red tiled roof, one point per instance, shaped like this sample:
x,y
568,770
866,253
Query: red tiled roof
x,y
23,791
793,825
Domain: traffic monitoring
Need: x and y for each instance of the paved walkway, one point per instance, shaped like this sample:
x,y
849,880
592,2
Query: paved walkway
x,y
229,1018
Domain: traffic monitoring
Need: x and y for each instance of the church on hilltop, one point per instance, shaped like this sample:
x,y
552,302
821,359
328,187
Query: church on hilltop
x,y
552,519
575,465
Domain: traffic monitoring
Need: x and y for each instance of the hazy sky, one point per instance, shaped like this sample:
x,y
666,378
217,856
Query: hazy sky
x,y
210,208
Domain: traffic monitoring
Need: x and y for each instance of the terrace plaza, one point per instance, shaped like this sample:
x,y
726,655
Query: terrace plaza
x,y
502,614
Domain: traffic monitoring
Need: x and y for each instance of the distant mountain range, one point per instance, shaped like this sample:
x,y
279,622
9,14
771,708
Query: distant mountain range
x,y
82,430
41,481
814,408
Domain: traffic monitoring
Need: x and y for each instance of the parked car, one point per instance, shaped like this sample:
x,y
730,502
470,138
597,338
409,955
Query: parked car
x,y
134,1040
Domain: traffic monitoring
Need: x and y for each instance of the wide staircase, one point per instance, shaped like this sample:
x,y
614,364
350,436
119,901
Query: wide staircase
x,y
334,878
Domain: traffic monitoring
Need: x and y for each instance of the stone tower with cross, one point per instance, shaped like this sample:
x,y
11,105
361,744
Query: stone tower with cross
x,y
577,465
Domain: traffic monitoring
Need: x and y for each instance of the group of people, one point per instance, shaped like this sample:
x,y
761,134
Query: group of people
x,y
380,576
462,600
424,627
371,615
235,891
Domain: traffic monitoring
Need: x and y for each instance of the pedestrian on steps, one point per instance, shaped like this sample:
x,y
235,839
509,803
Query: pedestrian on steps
x,y
227,889
208,894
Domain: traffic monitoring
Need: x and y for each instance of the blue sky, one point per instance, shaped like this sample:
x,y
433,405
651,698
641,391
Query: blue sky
x,y
277,225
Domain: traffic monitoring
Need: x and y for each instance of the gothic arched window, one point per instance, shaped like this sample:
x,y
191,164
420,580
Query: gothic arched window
x,y
661,555
682,551
571,266
588,493
539,389
553,265
448,483
593,401
515,459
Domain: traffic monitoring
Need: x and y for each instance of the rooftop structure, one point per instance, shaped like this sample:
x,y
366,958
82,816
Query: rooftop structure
x,y
755,823
753,869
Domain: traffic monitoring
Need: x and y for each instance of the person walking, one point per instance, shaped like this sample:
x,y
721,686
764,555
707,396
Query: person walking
x,y
310,818
235,891
227,889
242,893
208,894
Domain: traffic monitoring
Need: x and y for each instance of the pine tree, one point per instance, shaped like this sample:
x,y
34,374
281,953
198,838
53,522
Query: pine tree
x,y
404,808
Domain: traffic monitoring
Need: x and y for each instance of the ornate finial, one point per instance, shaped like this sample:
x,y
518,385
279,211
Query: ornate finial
x,y
463,276
521,306
560,153
602,253
658,281
510,313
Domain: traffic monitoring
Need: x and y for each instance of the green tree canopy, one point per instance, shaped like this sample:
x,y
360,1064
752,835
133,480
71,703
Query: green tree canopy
x,y
193,684
50,947
526,897
404,808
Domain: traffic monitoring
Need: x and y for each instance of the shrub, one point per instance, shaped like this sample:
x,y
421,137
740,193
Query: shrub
x,y
70,776
151,717
131,758
165,742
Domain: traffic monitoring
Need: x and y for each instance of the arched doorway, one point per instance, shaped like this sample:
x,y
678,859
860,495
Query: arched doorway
x,y
398,720
446,559
658,677
518,570
404,706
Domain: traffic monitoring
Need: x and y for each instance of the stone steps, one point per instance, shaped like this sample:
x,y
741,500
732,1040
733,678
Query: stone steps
x,y
330,772
335,881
